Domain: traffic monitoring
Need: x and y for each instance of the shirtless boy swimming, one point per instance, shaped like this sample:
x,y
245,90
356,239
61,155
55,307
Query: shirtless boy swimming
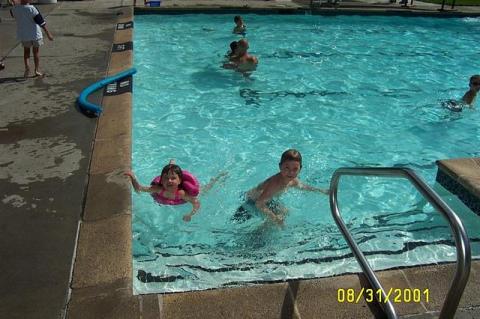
x,y
471,94
262,195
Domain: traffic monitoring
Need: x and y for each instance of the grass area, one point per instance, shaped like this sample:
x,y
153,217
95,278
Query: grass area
x,y
457,2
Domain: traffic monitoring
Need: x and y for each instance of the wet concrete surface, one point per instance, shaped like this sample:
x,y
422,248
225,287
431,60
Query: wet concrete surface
x,y
45,150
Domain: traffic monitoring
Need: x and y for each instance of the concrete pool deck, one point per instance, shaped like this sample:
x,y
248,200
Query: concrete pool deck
x,y
66,208
380,7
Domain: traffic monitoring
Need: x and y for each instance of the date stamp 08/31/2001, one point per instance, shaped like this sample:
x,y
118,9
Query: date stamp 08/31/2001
x,y
396,295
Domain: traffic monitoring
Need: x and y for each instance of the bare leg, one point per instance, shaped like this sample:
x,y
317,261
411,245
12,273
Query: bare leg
x,y
26,58
36,60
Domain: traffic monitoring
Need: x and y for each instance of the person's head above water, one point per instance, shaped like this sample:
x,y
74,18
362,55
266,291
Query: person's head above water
x,y
238,20
475,82
291,155
233,46
290,163
242,46
171,176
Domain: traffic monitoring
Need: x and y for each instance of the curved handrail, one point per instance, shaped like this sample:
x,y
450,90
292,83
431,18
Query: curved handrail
x,y
93,108
462,242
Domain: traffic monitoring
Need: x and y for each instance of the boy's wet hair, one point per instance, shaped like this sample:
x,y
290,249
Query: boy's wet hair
x,y
174,169
291,155
474,77
237,18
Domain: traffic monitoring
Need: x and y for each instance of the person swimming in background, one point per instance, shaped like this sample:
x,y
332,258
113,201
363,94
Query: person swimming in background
x,y
233,50
470,96
230,56
240,27
242,61
263,195
468,99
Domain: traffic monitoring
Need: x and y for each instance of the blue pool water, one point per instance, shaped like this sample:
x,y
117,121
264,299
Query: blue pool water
x,y
344,91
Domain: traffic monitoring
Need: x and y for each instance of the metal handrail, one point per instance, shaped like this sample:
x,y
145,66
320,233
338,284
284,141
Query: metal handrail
x,y
462,242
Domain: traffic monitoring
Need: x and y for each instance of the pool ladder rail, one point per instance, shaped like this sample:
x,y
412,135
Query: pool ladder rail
x,y
462,242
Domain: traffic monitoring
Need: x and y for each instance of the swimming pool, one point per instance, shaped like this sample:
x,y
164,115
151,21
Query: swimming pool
x,y
344,91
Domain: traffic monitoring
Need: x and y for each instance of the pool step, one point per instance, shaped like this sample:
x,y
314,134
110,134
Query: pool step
x,y
461,176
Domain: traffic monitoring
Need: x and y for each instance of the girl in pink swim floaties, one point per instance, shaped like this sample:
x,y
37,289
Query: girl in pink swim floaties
x,y
174,186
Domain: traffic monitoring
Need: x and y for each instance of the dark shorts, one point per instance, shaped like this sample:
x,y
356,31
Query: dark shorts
x,y
248,209
453,105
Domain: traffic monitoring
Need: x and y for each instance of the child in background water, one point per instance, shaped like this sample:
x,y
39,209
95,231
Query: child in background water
x,y
243,61
471,94
233,50
468,99
230,56
239,28
263,195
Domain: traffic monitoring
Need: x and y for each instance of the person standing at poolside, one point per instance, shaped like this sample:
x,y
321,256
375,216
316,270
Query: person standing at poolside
x,y
29,31
470,96
263,195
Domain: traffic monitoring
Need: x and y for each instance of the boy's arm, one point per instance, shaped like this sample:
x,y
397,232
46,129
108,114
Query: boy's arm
x,y
41,22
49,35
468,97
11,10
306,187
195,206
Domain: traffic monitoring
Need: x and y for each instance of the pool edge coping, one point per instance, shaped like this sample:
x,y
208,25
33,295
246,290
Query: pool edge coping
x,y
346,8
103,258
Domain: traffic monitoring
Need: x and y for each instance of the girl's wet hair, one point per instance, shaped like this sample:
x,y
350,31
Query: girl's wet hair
x,y
291,155
174,169
237,18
